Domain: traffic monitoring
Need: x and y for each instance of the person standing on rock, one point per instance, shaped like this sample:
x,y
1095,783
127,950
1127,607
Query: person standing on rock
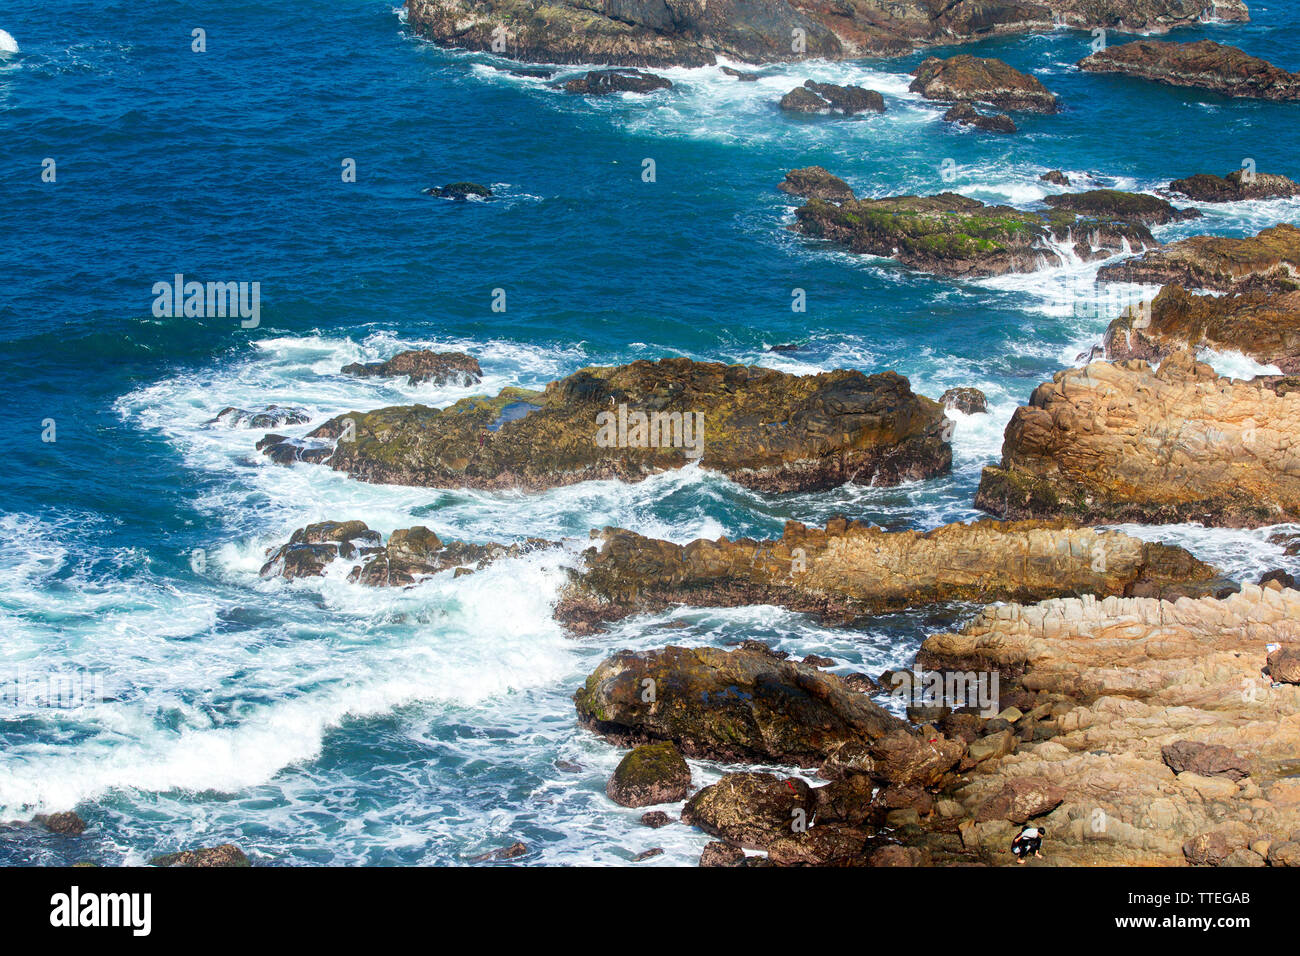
x,y
1029,840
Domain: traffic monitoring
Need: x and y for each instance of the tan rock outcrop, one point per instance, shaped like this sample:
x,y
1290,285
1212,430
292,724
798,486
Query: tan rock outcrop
x,y
1120,442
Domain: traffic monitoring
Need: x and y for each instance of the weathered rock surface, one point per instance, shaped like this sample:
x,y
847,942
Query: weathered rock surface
x,y
814,182
953,235
66,823
225,855
1113,443
762,428
650,774
1217,263
1204,65
1235,186
965,399
1263,325
1116,204
410,555
1055,177
850,569
1207,760
965,115
745,705
422,365
814,97
669,32
605,82
973,79
1132,678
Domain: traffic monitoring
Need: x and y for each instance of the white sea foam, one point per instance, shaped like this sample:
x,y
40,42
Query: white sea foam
x,y
8,45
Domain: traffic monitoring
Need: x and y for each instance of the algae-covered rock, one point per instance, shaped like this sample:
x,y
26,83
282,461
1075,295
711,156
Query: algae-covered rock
x,y
650,774
1117,204
1217,263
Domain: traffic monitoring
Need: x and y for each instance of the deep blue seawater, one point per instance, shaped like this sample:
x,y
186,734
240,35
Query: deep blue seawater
x,y
319,722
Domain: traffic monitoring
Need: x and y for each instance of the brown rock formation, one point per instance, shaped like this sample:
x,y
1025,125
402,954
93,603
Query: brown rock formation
x,y
1215,262
1235,186
1137,679
851,569
814,182
1263,325
1119,442
422,365
1204,65
973,79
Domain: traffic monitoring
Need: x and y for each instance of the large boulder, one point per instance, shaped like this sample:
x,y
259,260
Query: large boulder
x,y
849,569
765,429
1203,65
814,97
748,706
650,774
1217,263
965,115
751,809
814,182
422,365
226,855
1264,325
1207,760
973,79
1112,443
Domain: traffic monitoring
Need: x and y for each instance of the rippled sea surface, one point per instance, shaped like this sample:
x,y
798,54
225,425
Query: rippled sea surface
x,y
319,722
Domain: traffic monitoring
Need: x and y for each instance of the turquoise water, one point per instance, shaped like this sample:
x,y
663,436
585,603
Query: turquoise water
x,y
319,722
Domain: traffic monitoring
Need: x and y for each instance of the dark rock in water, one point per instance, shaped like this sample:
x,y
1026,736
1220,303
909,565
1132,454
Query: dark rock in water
x,y
763,428
745,706
285,451
1235,186
648,854
813,182
965,399
740,74
861,683
655,819
423,365
965,115
787,347
1056,178
272,416
605,82
973,79
1203,64
66,823
511,852
410,555
1115,204
717,853
532,73
814,97
1207,760
225,855
1278,576
750,809
815,660
650,774
459,191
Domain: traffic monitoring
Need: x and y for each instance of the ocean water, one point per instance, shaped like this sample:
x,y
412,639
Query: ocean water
x,y
319,722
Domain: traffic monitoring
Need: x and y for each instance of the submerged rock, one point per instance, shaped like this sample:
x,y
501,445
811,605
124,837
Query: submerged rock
x,y
744,705
605,82
965,115
1218,263
973,79
422,365
272,416
1204,65
1113,443
969,401
762,428
410,555
1262,325
740,75
1235,186
650,774
1115,204
458,191
67,823
225,855
814,182
1127,679
850,569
